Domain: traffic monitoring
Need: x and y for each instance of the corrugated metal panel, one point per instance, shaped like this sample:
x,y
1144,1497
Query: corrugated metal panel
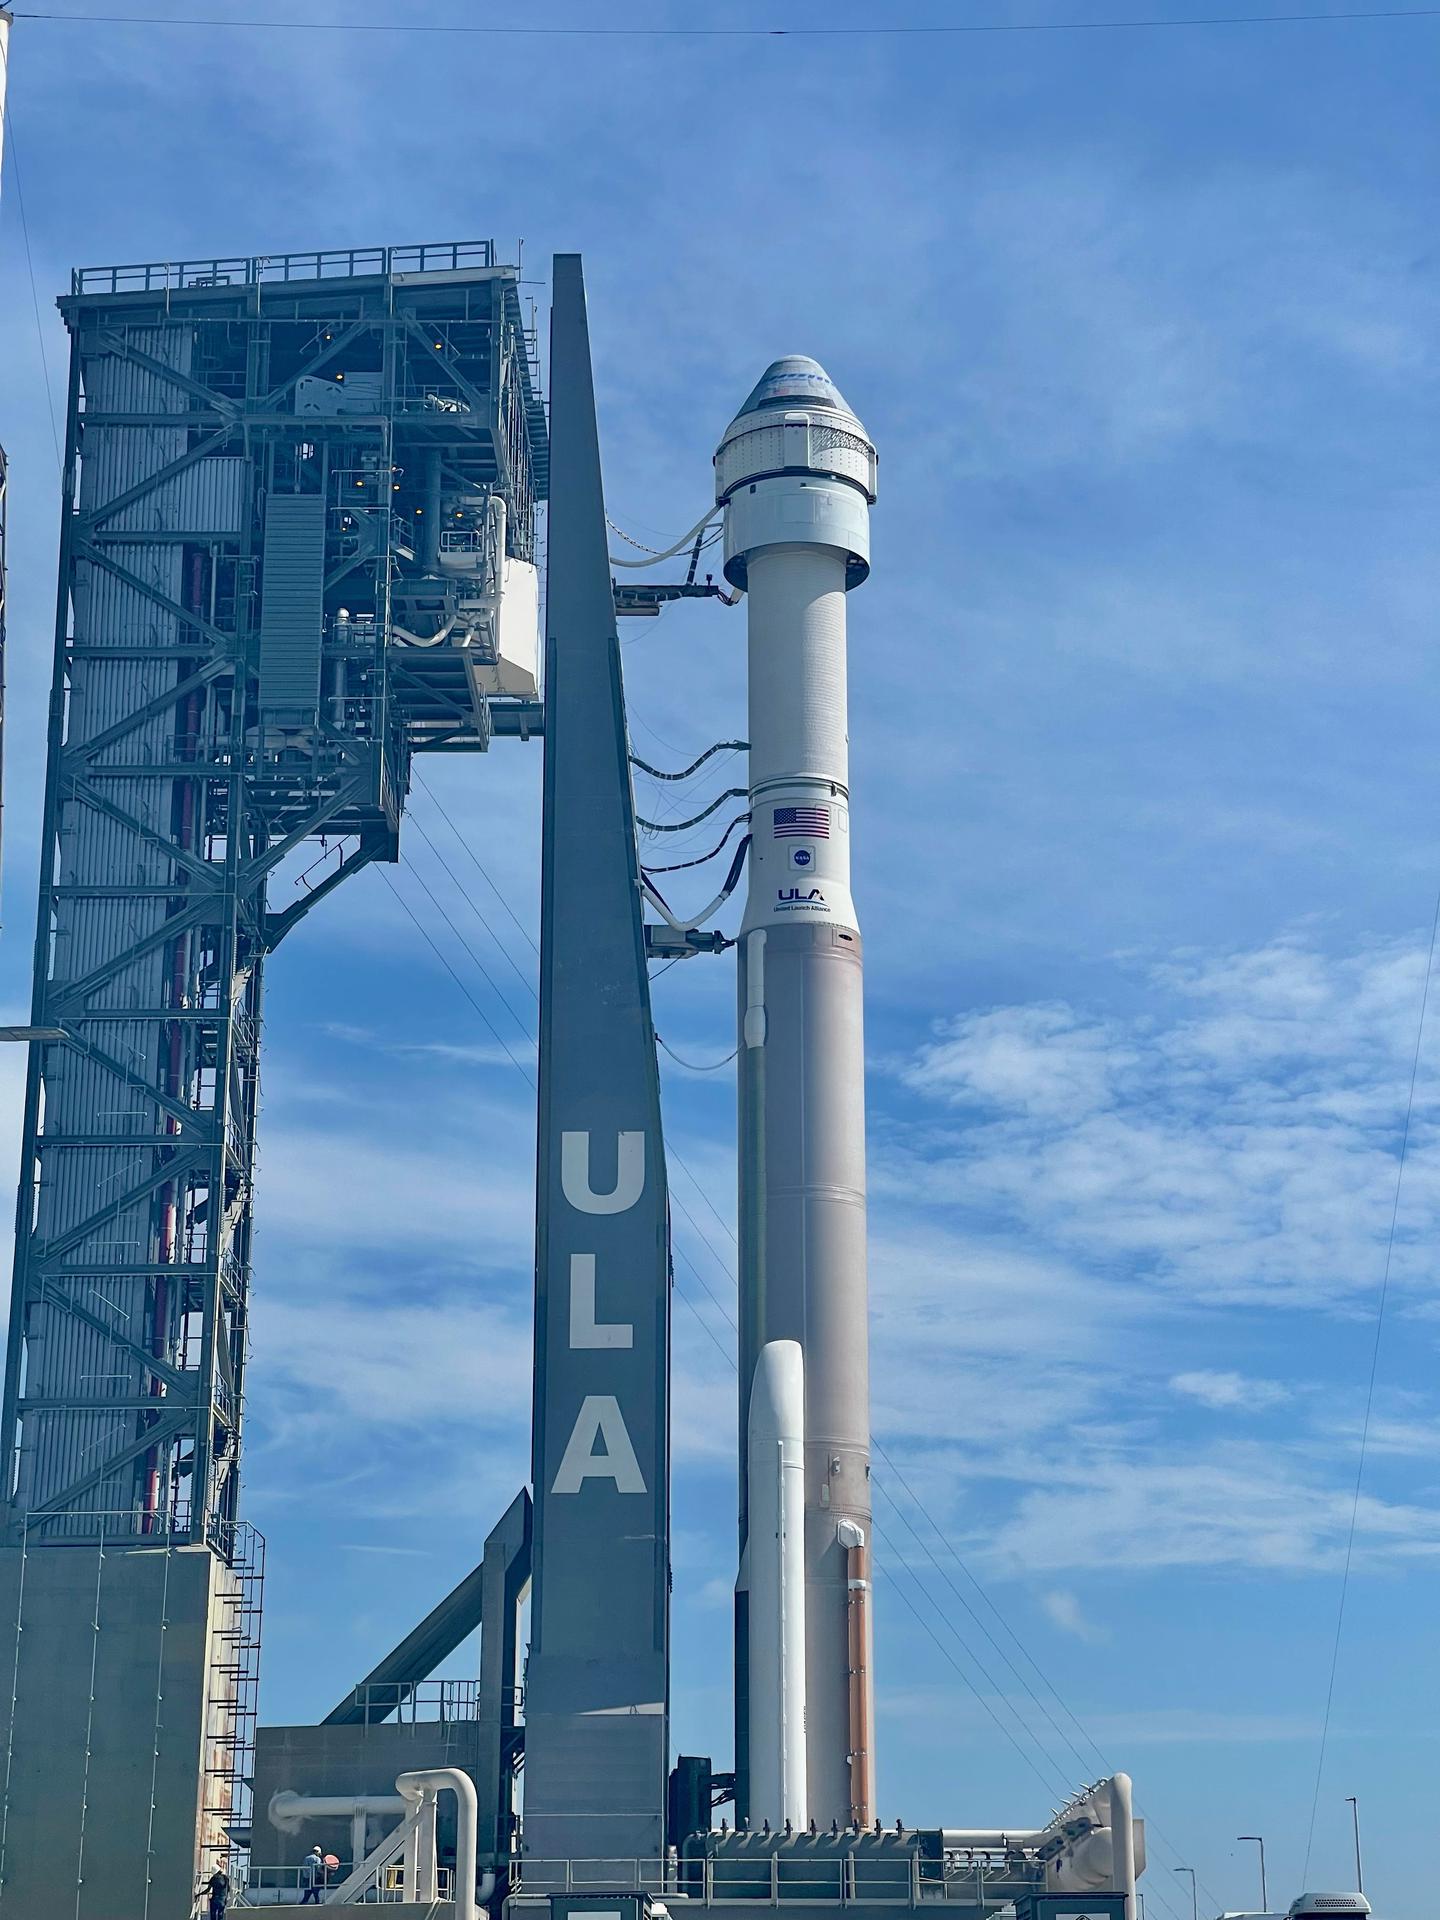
x,y
291,605
207,498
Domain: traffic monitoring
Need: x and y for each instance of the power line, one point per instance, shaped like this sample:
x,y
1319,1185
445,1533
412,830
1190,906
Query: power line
x,y
473,858
470,902
1370,1387
484,971
429,940
949,1658
1096,1751
524,1075
14,158
871,32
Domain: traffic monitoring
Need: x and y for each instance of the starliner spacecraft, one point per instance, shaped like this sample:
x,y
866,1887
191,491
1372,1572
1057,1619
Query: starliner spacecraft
x,y
796,476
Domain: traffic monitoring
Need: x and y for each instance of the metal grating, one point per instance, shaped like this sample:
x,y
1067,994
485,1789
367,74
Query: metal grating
x,y
292,606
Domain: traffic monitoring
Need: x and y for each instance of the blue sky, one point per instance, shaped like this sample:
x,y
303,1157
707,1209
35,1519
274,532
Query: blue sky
x,y
1145,803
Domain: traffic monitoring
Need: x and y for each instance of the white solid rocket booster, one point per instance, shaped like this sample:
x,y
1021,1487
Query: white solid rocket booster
x,y
775,1474
796,475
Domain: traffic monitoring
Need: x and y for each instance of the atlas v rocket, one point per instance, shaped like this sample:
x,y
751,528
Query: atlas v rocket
x,y
796,476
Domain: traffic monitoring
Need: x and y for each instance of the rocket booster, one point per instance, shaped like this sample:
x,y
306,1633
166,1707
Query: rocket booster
x,y
796,475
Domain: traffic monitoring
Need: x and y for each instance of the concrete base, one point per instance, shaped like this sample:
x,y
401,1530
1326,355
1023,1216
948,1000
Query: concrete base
x,y
102,1792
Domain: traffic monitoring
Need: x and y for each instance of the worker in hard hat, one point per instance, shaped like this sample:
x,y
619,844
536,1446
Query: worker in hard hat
x,y
312,1877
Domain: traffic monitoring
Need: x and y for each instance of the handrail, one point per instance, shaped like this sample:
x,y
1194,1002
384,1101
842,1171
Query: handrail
x,y
246,270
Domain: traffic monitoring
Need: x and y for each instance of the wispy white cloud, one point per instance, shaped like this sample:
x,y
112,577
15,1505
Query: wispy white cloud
x,y
1235,1136
1230,1505
1226,1392
1063,1609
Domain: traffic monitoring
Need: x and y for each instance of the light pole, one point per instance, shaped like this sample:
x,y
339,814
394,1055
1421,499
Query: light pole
x,y
1194,1897
1354,1806
1259,1840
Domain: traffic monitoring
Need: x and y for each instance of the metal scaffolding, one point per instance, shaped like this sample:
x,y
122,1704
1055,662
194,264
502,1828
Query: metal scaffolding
x,y
246,448
298,511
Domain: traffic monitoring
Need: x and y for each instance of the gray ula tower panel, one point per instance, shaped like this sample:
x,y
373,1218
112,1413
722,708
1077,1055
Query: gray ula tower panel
x,y
596,1706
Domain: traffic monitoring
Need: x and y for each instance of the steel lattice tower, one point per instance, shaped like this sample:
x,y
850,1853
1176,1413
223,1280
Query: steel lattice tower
x,y
257,626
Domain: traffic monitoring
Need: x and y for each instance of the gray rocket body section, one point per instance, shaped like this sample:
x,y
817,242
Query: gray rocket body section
x,y
796,474
803,1254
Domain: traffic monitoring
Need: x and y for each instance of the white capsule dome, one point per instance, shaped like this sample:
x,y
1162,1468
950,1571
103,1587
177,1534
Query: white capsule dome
x,y
796,432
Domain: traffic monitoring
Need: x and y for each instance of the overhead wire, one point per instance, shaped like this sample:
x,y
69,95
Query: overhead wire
x,y
1370,1386
484,971
871,31
460,889
951,1661
524,979
490,1027
13,156
473,858
441,956
1097,1753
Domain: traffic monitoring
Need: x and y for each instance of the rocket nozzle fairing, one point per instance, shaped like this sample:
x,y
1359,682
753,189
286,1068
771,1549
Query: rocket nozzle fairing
x,y
796,474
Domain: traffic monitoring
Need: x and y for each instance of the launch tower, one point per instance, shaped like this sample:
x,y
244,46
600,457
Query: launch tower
x,y
297,547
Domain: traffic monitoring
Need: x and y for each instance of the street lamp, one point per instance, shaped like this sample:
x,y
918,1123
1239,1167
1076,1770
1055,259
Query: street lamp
x,y
1259,1840
1194,1897
1354,1806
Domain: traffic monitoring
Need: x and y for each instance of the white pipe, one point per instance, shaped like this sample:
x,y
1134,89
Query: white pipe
x,y
467,1834
652,559
776,1552
684,926
436,639
1122,1830
412,1859
289,1811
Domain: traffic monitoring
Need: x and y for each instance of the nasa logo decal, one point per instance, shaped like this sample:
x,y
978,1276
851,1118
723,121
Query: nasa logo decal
x,y
801,857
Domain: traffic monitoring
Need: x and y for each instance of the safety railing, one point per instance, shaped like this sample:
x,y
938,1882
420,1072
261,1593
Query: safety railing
x,y
421,1700
594,1876
785,1875
284,1886
248,270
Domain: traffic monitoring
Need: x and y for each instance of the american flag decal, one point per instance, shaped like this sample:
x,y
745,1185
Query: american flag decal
x,y
802,823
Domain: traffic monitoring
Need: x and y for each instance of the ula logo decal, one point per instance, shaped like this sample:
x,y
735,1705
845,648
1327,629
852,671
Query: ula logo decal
x,y
794,893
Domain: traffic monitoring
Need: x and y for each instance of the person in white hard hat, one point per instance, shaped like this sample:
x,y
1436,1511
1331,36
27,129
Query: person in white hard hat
x,y
312,1877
